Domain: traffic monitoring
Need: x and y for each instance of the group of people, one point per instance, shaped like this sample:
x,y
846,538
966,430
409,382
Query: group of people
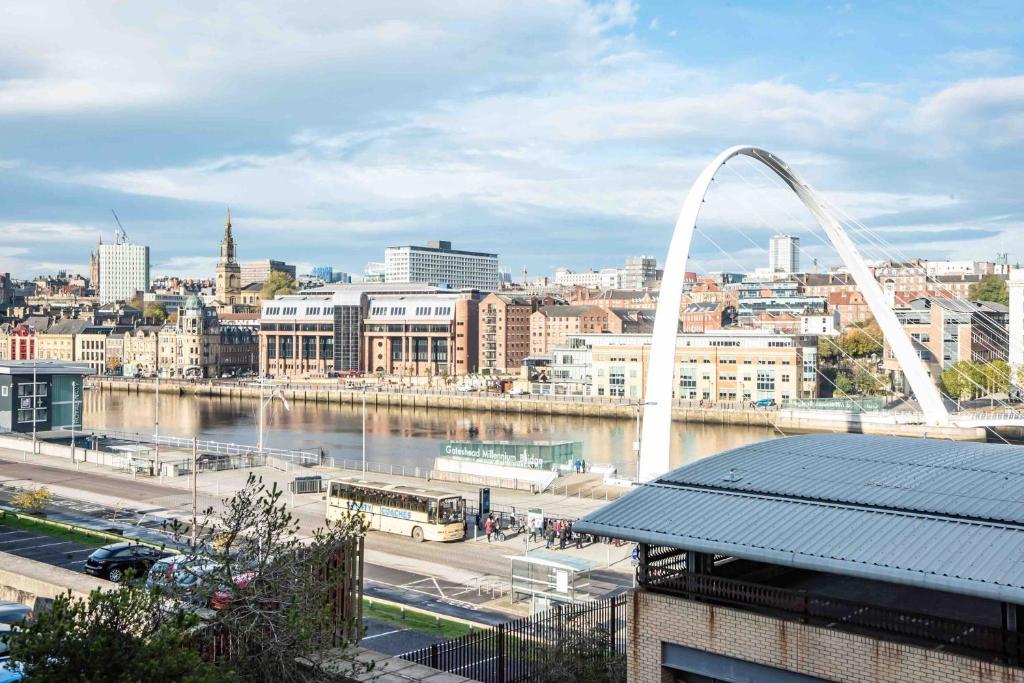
x,y
554,531
581,466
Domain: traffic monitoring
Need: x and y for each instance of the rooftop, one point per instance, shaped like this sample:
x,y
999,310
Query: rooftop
x,y
934,514
44,367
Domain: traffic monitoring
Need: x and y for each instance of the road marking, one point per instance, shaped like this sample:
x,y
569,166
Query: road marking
x,y
386,633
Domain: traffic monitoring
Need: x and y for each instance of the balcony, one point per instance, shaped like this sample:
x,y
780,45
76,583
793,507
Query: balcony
x,y
985,641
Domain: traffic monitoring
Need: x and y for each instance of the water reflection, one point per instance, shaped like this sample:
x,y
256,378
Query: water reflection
x,y
409,437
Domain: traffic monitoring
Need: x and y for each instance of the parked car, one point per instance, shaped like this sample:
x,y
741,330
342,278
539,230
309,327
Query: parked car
x,y
12,612
222,596
8,672
116,561
763,403
516,392
181,571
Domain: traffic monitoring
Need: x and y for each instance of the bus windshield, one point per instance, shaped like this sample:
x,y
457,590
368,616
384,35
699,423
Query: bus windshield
x,y
452,510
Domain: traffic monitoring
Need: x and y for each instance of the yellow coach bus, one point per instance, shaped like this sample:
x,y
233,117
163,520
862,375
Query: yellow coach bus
x,y
421,514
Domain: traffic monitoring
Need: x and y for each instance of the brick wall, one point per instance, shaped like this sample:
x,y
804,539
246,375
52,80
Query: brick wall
x,y
810,650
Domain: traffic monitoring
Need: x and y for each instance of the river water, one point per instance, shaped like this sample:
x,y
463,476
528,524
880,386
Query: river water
x,y
409,437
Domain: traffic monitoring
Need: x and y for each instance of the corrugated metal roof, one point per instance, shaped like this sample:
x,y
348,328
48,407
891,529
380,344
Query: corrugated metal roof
x,y
937,514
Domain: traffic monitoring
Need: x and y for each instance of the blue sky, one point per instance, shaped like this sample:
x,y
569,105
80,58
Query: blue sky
x,y
555,133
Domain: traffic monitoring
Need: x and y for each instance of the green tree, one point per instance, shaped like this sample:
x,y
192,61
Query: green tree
x,y
867,383
116,636
996,377
992,288
283,610
862,340
844,385
32,500
155,312
827,349
278,283
961,380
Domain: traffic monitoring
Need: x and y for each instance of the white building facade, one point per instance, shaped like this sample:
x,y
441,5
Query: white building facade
x,y
124,271
606,278
784,254
1016,356
439,264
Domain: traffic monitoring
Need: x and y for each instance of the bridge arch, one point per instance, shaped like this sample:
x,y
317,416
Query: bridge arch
x,y
657,423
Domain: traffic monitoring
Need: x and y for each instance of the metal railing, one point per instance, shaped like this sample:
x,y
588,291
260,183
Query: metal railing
x,y
518,650
974,640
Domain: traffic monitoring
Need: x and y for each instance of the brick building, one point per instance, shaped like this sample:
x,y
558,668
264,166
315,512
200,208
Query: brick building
x,y
813,569
504,331
550,326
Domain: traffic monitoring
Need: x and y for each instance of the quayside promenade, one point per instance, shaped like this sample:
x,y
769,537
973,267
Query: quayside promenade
x,y
600,407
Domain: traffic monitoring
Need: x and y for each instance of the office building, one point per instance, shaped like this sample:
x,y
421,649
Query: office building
x,y
1015,285
257,272
826,557
641,272
189,347
421,335
439,264
550,326
124,271
606,278
41,395
784,254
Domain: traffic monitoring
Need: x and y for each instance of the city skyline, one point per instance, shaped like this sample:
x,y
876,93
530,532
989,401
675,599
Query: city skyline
x,y
544,155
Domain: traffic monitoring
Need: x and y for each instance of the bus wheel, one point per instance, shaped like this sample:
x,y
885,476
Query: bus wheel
x,y
417,534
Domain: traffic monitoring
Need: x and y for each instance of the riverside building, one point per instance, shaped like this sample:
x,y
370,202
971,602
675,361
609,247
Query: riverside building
x,y
716,365
124,269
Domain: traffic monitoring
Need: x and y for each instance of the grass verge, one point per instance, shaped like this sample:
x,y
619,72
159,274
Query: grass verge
x,y
417,621
44,528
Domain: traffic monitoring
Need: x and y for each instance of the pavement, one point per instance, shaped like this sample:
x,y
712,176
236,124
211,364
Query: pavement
x,y
467,579
42,548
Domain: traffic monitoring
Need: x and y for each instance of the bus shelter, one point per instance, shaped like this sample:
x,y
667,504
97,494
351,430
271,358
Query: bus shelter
x,y
546,579
136,458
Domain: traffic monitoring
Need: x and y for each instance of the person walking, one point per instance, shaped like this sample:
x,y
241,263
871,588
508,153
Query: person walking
x,y
549,537
562,537
489,528
583,466
533,530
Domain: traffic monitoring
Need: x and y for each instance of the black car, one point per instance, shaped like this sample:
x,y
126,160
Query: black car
x,y
114,562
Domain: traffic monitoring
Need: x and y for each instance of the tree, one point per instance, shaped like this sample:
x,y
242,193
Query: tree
x,y
32,500
992,288
827,349
116,636
844,385
155,312
277,283
962,380
867,383
278,594
862,340
996,377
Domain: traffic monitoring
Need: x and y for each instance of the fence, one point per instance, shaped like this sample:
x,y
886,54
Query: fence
x,y
518,650
950,634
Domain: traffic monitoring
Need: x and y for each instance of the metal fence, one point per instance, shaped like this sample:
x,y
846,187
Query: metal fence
x,y
518,650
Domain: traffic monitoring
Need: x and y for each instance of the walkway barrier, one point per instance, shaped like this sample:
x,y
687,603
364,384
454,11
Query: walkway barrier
x,y
312,484
521,649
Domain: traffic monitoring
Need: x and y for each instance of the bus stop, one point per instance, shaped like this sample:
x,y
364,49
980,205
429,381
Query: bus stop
x,y
546,579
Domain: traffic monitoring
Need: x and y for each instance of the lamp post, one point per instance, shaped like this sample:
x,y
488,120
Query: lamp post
x,y
74,411
364,432
637,406
156,435
35,412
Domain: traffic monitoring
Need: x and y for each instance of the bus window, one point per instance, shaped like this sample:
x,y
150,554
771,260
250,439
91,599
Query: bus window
x,y
432,511
336,490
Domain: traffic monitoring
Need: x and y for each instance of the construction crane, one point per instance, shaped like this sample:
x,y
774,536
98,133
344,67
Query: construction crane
x,y
120,237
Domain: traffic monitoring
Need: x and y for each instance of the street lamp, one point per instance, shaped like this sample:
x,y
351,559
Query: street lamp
x,y
364,431
637,405
35,412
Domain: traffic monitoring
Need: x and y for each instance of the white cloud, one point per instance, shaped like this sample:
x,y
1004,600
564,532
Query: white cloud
x,y
653,26
985,111
991,58
47,232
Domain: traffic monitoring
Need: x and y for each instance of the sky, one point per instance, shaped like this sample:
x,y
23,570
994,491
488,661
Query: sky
x,y
556,133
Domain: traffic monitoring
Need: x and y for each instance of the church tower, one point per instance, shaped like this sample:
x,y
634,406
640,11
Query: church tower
x,y
229,273
94,267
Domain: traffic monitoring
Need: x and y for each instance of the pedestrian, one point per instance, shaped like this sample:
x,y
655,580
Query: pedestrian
x,y
549,537
562,537
579,540
533,530
489,528
583,466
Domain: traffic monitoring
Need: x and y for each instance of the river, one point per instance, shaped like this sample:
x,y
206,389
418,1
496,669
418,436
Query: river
x,y
408,437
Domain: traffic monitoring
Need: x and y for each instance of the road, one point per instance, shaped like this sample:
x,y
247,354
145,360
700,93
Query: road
x,y
440,578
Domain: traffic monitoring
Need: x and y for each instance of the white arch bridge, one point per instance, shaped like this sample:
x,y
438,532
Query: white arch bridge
x,y
654,449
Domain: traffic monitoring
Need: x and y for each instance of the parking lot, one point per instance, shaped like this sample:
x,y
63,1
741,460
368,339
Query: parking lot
x,y
48,549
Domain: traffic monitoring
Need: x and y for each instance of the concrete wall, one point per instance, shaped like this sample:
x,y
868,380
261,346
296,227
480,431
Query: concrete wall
x,y
33,583
809,650
787,423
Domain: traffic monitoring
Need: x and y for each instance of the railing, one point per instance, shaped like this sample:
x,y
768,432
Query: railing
x,y
975,640
518,650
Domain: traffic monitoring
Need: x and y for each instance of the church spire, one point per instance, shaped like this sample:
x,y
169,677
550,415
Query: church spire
x,y
227,245
227,226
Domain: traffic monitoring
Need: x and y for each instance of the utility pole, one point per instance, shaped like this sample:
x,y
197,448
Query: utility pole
x,y
156,435
259,442
74,412
35,412
364,432
195,491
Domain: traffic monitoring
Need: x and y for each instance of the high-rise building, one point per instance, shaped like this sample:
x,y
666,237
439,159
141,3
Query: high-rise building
x,y
640,272
258,271
784,254
504,331
229,273
124,270
439,264
325,273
